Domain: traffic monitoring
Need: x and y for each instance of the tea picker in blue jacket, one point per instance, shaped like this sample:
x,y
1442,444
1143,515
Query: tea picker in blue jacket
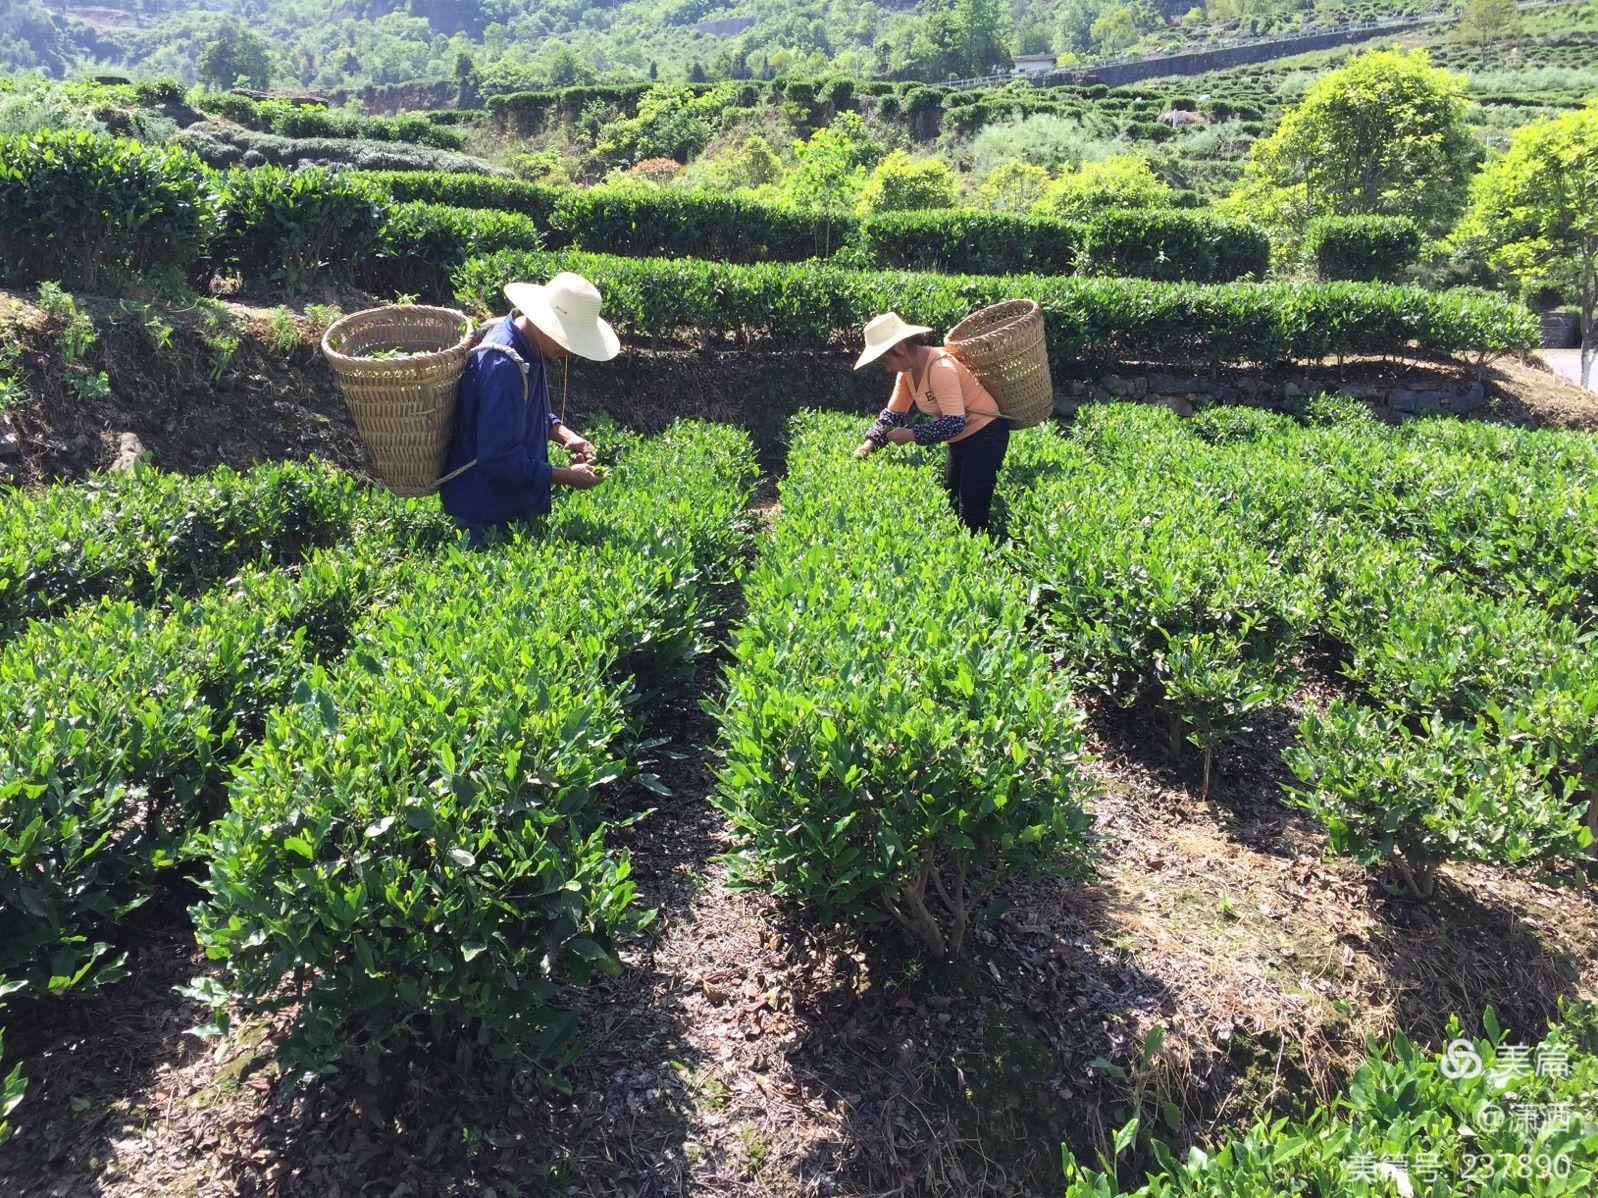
x,y
503,422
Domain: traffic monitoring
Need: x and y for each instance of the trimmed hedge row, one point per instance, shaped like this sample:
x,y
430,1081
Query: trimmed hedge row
x,y
1152,589
122,723
83,209
1168,243
1363,248
973,241
1434,563
1102,320
895,744
139,535
1161,243
420,866
287,119
421,245
220,144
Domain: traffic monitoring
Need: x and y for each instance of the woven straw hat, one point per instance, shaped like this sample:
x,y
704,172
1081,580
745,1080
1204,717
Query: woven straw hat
x,y
883,333
566,310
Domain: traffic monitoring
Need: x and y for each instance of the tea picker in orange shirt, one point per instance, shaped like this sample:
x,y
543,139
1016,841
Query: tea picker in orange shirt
x,y
959,408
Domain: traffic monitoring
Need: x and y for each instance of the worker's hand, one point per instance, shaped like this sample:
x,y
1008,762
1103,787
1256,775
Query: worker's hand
x,y
582,452
582,477
867,448
901,436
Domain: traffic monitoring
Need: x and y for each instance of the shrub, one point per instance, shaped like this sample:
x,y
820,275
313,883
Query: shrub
x,y
78,207
288,227
422,244
1099,320
1147,584
1363,248
1013,187
895,745
632,221
656,171
222,145
1120,181
964,240
289,119
900,183
1175,245
444,902
463,190
427,879
1451,791
143,534
93,808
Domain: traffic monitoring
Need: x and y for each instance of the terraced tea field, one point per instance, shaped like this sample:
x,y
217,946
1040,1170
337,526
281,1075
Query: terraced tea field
x,y
673,845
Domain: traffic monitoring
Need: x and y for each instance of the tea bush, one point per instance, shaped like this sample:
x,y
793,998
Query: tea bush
x,y
420,866
422,244
87,209
222,145
1174,245
642,221
291,227
1148,584
467,190
1405,1126
124,721
142,534
1363,248
1445,567
288,119
1098,320
963,239
648,221
895,745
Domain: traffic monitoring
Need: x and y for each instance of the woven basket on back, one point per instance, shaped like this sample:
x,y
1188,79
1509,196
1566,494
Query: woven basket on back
x,y
1004,347
404,407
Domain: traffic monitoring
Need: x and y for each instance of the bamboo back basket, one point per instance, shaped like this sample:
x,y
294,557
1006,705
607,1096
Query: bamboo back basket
x,y
1004,347
404,408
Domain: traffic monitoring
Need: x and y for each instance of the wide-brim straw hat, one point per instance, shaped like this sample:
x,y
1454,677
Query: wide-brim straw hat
x,y
566,310
883,333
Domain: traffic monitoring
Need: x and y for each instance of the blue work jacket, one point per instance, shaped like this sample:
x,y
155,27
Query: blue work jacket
x,y
507,434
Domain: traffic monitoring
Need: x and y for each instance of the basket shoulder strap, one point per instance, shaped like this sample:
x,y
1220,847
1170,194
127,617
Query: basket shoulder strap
x,y
950,354
521,365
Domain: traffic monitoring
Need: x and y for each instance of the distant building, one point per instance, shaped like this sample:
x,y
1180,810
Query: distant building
x,y
1031,64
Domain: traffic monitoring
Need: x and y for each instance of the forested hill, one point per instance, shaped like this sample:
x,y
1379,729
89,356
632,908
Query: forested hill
x,y
514,45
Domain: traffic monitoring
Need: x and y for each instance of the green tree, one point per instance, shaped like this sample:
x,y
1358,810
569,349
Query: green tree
x,y
901,183
831,166
1489,24
468,83
235,57
1534,214
1384,135
978,29
1013,187
1115,31
1120,181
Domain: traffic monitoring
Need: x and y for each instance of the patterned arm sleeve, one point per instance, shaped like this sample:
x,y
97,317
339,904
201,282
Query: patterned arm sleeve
x,y
943,379
941,429
886,419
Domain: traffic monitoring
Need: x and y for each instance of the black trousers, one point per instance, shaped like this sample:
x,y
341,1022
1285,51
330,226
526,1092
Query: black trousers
x,y
972,471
